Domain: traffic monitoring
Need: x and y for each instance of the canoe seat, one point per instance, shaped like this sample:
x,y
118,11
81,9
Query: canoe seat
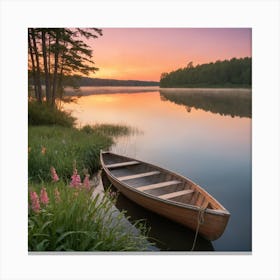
x,y
140,175
122,164
158,185
175,194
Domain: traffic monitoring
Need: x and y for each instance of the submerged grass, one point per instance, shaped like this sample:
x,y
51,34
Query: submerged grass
x,y
111,130
76,222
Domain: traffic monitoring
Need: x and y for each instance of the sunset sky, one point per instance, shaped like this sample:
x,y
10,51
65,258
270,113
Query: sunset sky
x,y
145,53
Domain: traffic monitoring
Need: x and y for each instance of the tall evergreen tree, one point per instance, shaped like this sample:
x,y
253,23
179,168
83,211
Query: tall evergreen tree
x,y
60,52
46,65
37,65
33,67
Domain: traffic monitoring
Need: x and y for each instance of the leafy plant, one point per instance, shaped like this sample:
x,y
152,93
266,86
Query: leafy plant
x,y
76,222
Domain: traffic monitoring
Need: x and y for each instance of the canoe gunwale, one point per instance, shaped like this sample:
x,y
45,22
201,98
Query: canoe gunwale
x,y
219,212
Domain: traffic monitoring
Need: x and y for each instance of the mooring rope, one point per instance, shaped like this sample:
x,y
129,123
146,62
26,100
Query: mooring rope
x,y
200,221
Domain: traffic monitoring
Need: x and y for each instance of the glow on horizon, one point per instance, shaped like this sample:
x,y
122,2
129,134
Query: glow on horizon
x,y
145,53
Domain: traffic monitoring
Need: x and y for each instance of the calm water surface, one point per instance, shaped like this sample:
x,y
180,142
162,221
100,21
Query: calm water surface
x,y
202,134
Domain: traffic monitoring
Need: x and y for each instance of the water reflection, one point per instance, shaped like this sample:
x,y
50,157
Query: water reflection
x,y
233,102
165,234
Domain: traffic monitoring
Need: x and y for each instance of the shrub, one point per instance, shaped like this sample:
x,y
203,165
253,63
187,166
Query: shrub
x,y
44,114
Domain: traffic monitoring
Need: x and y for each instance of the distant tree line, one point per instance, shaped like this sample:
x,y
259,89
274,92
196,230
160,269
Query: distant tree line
x,y
78,81
227,73
84,81
54,55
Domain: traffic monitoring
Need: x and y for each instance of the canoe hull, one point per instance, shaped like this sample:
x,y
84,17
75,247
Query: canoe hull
x,y
212,227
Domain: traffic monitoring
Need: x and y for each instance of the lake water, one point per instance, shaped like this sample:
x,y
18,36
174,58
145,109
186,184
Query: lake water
x,y
204,135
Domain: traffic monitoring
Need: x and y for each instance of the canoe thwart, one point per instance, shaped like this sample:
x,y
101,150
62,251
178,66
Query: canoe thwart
x,y
122,164
175,194
158,185
140,175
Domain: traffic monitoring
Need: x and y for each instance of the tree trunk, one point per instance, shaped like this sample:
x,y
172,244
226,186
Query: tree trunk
x,y
47,77
56,52
33,64
49,60
38,72
60,75
59,84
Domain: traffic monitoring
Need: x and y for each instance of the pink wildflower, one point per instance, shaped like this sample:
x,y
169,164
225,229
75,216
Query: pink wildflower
x,y
76,180
35,203
112,194
86,182
57,195
44,196
43,151
54,175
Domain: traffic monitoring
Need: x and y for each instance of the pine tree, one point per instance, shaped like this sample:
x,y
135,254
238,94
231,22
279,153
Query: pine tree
x,y
58,53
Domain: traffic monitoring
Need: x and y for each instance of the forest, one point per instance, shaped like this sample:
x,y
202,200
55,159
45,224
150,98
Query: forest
x,y
227,73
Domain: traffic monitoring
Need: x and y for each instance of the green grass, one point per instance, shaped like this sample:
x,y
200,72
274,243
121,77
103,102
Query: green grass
x,y
44,114
79,223
63,146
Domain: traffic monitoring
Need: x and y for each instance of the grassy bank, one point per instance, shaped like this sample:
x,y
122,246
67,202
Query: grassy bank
x,y
61,160
43,114
61,147
72,221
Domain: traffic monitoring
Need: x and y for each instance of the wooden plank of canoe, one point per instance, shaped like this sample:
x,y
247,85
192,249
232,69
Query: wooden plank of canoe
x,y
204,204
158,185
175,194
140,175
122,164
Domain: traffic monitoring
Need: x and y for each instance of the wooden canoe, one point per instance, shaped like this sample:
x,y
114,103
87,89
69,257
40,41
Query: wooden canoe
x,y
166,193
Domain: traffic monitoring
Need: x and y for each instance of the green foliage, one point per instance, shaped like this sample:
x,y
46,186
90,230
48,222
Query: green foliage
x,y
44,114
59,147
79,223
227,73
